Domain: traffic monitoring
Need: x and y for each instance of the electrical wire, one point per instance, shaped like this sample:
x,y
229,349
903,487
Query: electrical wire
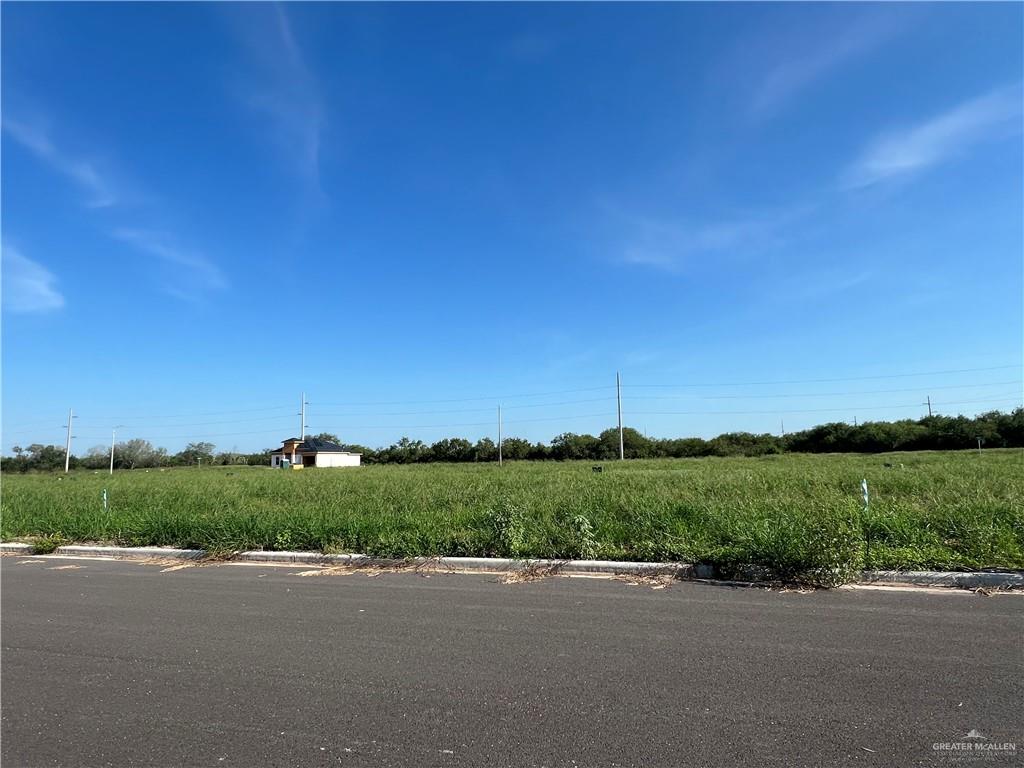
x,y
495,398
845,409
822,381
820,394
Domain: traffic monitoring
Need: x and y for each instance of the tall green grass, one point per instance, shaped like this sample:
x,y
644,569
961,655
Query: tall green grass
x,y
800,516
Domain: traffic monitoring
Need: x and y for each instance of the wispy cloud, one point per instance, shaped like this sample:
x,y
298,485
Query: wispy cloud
x,y
805,65
28,287
817,285
186,274
83,172
941,138
282,88
674,244
182,273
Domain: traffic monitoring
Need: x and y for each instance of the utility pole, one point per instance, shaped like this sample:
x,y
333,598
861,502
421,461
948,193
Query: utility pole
x,y
113,435
67,449
302,416
618,398
929,404
499,435
782,426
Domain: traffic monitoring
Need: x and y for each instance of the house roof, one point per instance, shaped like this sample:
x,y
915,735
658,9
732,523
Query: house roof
x,y
321,446
314,445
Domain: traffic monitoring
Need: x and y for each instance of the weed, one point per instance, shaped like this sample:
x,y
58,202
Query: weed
x,y
44,545
509,526
586,546
797,516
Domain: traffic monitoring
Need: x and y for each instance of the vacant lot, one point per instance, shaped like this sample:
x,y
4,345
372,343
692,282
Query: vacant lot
x,y
800,515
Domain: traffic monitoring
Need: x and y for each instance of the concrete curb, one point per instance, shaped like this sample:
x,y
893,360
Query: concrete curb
x,y
135,552
949,579
961,580
485,564
14,547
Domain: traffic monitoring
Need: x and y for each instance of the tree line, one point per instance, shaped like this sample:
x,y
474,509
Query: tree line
x,y
994,429
130,454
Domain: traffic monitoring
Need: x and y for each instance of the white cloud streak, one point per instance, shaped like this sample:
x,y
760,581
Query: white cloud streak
x,y
183,273
673,245
84,173
784,81
282,88
186,275
28,287
940,139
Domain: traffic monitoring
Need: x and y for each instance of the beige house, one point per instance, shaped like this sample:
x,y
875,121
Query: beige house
x,y
313,452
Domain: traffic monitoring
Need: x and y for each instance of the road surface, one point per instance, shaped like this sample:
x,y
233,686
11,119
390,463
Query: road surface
x,y
123,664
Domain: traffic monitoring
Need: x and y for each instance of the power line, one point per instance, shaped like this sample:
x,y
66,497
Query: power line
x,y
286,411
88,420
1002,398
823,381
477,423
468,399
106,419
1015,398
820,394
466,410
322,416
204,423
192,436
154,417
195,436
188,415
822,410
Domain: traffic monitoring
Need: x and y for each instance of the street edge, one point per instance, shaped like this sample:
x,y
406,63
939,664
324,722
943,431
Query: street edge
x,y
951,579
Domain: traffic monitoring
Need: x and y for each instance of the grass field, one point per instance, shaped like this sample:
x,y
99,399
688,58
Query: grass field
x,y
800,515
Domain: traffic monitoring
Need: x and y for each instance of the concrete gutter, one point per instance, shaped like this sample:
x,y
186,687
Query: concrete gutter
x,y
960,580
16,548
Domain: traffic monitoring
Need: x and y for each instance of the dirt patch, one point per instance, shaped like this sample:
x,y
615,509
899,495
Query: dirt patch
x,y
654,582
372,567
534,572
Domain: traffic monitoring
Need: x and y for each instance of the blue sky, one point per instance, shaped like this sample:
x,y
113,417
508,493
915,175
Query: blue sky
x,y
416,212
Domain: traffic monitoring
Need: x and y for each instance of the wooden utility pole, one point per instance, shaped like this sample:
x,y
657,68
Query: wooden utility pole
x,y
499,435
618,398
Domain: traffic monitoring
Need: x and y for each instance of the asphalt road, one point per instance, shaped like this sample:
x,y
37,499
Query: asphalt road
x,y
122,664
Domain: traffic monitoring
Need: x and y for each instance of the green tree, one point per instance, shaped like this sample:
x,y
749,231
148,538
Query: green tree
x,y
515,448
98,457
196,453
405,451
634,444
138,453
451,449
568,446
685,447
485,450
45,458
